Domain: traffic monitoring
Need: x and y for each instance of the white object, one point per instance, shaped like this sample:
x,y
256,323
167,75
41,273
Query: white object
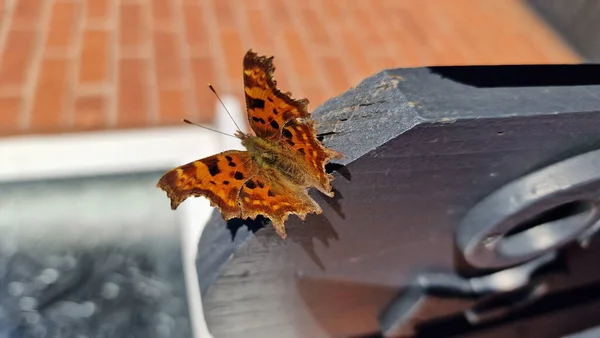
x,y
39,157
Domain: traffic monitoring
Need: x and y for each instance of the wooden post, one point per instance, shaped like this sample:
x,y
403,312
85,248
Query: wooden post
x,y
422,146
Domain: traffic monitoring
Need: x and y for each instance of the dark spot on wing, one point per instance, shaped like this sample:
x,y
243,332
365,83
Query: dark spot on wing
x,y
260,184
231,164
229,158
301,151
275,110
170,178
255,119
274,124
238,176
226,182
250,184
287,134
261,120
270,99
213,166
213,183
233,194
250,82
256,103
290,142
270,193
189,170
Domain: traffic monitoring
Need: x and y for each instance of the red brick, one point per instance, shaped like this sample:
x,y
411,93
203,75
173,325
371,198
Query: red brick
x,y
332,9
315,94
356,55
96,9
195,28
381,11
203,74
168,59
384,17
50,94
133,27
133,93
224,13
10,112
300,56
260,36
526,21
445,43
336,74
366,29
90,113
280,14
438,32
172,107
27,11
162,11
255,4
443,48
280,75
234,54
395,4
476,40
386,62
517,46
94,57
410,43
316,29
62,24
17,57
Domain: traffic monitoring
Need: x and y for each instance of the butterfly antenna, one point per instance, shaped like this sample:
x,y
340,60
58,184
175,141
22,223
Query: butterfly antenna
x,y
228,113
201,126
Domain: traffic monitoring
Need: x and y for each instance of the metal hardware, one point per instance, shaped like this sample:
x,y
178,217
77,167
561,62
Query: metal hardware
x,y
399,317
516,230
490,236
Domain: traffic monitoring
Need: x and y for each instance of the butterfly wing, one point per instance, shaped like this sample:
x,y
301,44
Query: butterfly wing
x,y
301,138
218,178
275,115
265,195
268,108
231,180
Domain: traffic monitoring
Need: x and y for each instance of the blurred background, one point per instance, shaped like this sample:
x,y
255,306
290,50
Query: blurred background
x,y
92,93
69,65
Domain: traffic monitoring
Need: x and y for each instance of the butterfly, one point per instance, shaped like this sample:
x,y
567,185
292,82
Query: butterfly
x,y
281,162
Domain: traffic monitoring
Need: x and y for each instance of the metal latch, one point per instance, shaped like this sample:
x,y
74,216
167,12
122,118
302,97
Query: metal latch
x,y
514,231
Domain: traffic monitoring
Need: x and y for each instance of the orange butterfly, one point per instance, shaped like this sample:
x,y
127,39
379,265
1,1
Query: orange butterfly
x,y
282,161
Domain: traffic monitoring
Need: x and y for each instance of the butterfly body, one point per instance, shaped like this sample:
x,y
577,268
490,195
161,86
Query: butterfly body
x,y
282,160
275,159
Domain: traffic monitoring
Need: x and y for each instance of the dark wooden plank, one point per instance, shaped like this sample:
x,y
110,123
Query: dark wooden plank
x,y
422,146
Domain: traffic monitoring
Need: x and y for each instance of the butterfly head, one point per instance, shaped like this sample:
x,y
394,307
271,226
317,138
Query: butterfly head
x,y
242,136
249,141
257,147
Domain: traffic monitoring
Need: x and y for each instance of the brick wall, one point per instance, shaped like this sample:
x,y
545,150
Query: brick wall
x,y
68,65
